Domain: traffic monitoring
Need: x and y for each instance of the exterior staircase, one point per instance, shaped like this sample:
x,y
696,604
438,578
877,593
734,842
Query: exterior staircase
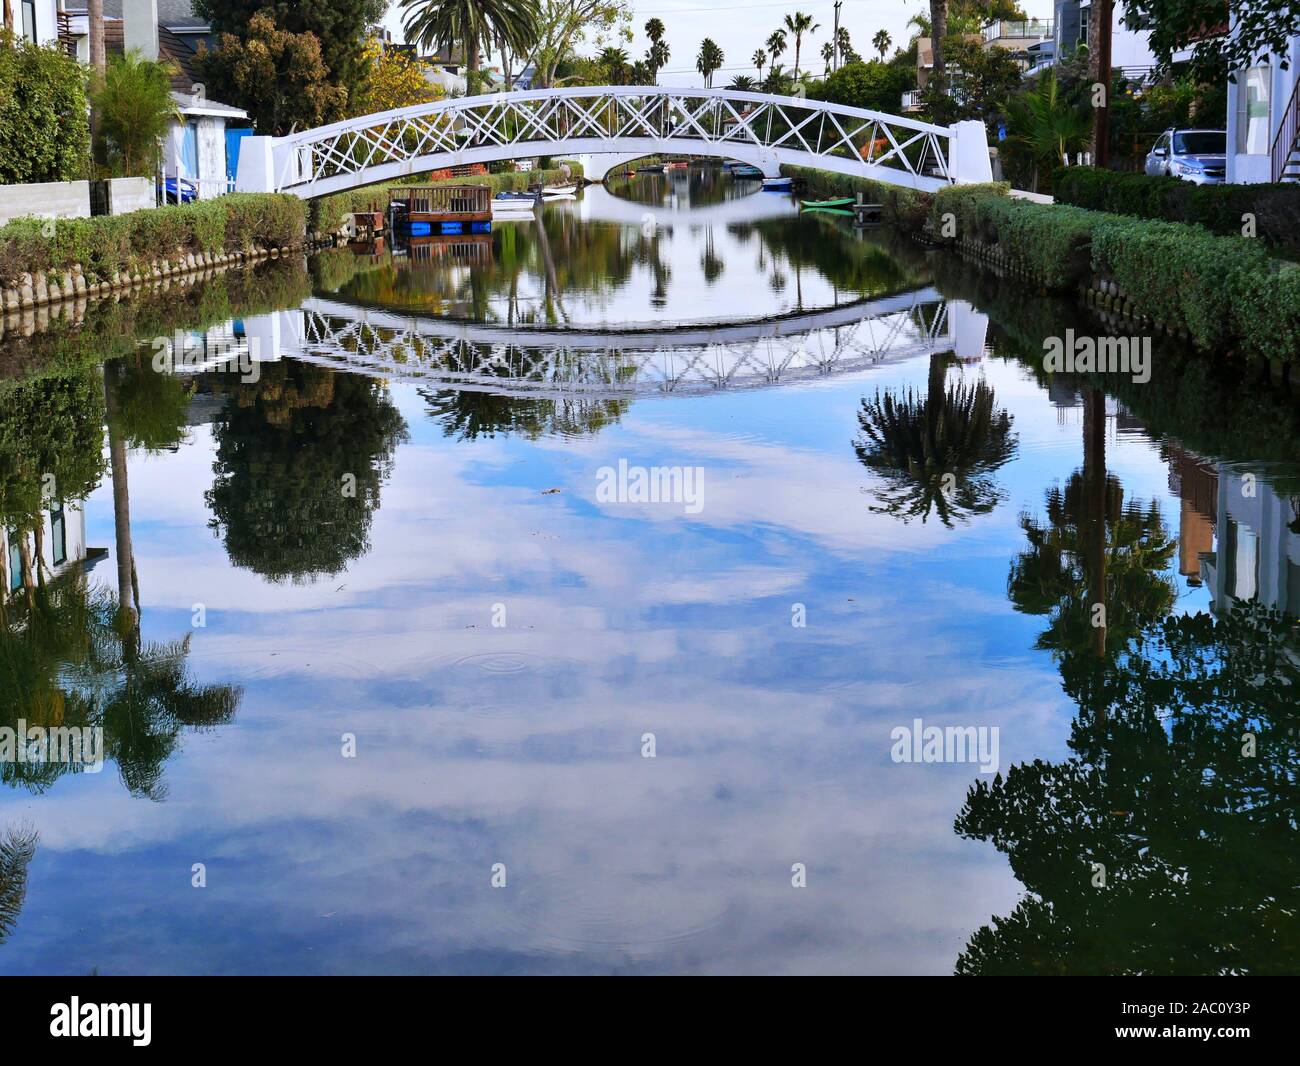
x,y
1286,145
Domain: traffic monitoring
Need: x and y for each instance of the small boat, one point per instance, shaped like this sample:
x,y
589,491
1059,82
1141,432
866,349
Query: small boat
x,y
504,197
677,164
845,212
552,191
778,184
839,201
657,168
744,170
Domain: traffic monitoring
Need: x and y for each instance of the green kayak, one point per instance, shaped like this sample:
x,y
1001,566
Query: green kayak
x,y
844,201
830,211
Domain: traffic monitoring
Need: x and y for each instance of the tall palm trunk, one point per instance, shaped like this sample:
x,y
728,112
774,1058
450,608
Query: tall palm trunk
x,y
9,15
938,31
1094,487
95,18
121,510
25,561
797,44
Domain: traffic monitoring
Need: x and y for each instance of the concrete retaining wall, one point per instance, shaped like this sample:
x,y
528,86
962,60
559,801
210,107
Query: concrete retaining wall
x,y
130,194
51,199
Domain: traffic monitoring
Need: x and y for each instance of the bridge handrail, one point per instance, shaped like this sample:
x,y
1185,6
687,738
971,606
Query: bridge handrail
x,y
528,95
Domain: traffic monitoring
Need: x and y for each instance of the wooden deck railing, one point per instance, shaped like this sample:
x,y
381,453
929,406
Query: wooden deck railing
x,y
448,199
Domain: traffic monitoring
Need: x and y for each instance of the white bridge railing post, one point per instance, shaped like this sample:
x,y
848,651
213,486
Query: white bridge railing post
x,y
968,154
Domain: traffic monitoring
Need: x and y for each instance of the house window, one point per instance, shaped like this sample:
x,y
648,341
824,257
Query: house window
x,y
58,536
29,20
15,562
1252,111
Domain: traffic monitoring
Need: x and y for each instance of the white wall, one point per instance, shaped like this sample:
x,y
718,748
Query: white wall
x,y
74,520
1255,164
49,199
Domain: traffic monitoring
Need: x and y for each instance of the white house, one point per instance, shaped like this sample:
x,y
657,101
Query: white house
x,y
1263,142
197,148
63,545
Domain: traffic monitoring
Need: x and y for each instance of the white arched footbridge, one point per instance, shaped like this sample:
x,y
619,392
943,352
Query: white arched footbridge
x,y
610,125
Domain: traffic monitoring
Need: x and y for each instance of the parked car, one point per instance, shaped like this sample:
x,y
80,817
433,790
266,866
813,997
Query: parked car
x,y
1198,156
178,191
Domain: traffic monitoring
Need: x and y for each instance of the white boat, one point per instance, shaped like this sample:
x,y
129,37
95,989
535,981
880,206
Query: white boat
x,y
778,183
552,191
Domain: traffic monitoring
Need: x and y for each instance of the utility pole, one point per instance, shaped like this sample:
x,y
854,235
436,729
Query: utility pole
x,y
835,36
1103,11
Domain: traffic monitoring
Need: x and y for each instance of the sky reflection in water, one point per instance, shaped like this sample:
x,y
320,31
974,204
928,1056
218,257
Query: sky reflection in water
x,y
522,745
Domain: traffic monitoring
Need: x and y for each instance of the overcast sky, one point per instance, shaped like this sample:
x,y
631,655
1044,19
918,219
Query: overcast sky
x,y
740,28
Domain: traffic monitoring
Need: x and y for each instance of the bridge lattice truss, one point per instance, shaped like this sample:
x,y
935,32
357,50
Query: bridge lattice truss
x,y
615,120
417,352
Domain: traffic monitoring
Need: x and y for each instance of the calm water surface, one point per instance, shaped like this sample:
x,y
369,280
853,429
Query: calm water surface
x,y
393,643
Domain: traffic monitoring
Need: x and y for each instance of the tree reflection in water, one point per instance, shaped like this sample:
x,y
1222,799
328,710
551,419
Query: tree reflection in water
x,y
1183,786
301,457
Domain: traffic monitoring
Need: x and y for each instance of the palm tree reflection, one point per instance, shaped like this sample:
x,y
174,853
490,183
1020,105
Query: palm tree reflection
x,y
936,452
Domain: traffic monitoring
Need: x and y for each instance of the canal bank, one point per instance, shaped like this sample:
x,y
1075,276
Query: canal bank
x,y
1229,296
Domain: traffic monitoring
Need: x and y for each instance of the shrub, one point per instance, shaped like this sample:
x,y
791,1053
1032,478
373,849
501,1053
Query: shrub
x,y
1219,208
1266,314
44,134
106,245
1181,275
135,105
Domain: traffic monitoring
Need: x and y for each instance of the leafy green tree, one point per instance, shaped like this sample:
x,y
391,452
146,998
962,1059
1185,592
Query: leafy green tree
x,y
979,82
743,83
873,85
279,77
135,107
339,26
1258,28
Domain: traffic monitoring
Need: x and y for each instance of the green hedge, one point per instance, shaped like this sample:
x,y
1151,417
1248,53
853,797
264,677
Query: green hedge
x,y
106,245
44,132
1226,292
1219,208
328,212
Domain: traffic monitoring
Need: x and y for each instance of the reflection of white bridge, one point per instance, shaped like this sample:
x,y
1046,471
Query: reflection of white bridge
x,y
565,362
612,124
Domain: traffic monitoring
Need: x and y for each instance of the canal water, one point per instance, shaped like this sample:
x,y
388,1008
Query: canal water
x,y
674,583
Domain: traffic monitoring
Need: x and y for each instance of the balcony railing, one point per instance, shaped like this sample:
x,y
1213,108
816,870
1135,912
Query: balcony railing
x,y
1024,29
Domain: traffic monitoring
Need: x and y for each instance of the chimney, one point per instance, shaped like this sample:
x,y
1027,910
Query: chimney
x,y
140,27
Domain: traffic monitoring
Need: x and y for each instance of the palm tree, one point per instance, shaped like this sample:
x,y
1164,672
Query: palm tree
x,y
776,44
657,57
937,451
799,24
1045,125
708,60
881,42
615,61
654,30
17,848
759,59
470,24
743,83
828,55
845,46
938,31
95,19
